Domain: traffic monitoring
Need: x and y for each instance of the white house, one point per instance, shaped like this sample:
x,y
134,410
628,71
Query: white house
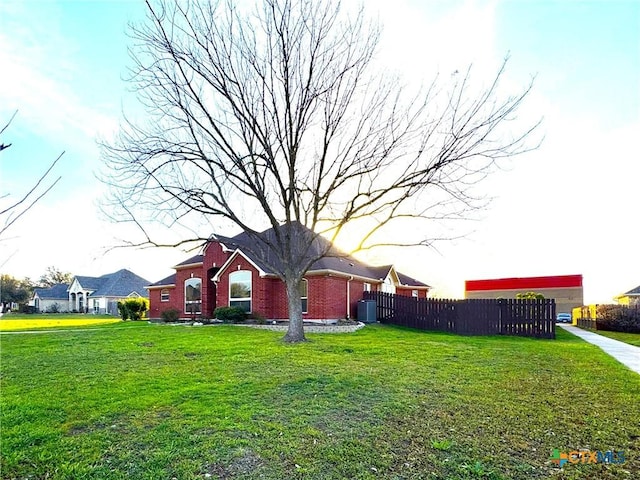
x,y
54,299
101,294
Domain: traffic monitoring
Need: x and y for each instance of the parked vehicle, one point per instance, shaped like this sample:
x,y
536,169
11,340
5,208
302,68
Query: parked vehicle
x,y
563,318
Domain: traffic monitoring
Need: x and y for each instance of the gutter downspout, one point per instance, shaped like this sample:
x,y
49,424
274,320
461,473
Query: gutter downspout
x,y
349,296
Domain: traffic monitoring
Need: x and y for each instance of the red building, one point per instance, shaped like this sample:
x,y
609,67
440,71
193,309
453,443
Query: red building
x,y
226,274
566,290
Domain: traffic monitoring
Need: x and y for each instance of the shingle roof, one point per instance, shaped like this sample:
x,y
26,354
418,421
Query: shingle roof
x,y
170,280
117,284
191,260
89,283
55,292
407,280
335,259
634,291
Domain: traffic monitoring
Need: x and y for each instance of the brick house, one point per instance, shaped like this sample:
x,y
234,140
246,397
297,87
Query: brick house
x,y
226,274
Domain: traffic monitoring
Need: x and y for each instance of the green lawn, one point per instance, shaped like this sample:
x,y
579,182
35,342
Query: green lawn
x,y
630,338
138,401
22,321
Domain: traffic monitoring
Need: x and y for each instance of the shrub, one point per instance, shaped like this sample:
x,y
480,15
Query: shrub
x,y
133,308
230,314
122,311
54,308
618,318
530,296
170,315
258,317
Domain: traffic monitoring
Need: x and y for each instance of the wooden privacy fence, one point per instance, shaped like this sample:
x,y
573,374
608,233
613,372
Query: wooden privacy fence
x,y
527,318
587,323
613,317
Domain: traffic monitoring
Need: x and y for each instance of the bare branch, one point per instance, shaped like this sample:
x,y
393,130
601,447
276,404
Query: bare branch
x,y
279,116
11,213
2,145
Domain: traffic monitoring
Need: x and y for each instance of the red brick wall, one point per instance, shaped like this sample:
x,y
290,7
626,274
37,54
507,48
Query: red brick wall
x,y
214,256
408,292
327,295
357,289
154,303
156,307
274,304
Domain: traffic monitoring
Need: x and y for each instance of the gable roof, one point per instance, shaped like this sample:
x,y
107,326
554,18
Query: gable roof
x,y
165,282
55,292
633,291
89,283
265,259
335,260
117,284
196,259
238,253
407,280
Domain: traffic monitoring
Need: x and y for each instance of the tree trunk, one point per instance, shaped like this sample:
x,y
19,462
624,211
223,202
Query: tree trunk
x,y
295,333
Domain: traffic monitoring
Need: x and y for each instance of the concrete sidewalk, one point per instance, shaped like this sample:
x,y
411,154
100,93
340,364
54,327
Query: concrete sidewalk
x,y
623,352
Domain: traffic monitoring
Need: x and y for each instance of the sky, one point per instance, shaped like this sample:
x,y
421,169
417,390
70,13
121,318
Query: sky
x,y
569,207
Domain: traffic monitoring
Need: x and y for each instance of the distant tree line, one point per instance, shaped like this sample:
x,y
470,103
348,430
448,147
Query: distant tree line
x,y
20,291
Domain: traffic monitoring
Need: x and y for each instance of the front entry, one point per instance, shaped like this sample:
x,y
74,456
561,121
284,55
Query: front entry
x,y
210,301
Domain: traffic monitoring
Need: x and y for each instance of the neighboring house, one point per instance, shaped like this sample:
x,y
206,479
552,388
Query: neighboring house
x,y
226,274
101,294
630,298
54,299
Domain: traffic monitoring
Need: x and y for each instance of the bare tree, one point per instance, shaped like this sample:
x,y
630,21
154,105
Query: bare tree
x,y
279,118
10,213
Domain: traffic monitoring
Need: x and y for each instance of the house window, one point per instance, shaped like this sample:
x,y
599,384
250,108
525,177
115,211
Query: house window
x,y
304,289
96,306
193,295
164,295
388,286
367,287
414,293
240,290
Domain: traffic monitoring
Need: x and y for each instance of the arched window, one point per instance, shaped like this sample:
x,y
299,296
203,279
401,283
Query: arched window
x,y
304,291
164,295
240,290
193,295
388,285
